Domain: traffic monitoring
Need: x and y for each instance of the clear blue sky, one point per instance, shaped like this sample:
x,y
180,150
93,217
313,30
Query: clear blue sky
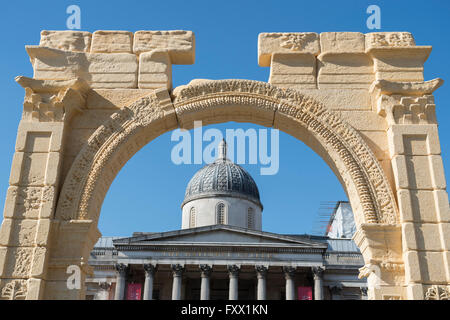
x,y
147,193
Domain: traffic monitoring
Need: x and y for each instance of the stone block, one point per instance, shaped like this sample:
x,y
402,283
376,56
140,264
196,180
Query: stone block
x,y
377,141
112,41
421,236
40,137
180,44
113,98
293,70
155,70
342,42
362,120
294,42
408,139
423,206
389,39
100,70
345,70
67,40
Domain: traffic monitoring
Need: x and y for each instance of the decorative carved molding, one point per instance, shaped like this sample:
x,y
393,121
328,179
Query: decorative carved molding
x,y
296,41
177,270
150,269
289,272
15,290
317,272
438,292
121,268
233,270
380,87
377,199
407,110
206,270
52,100
82,178
261,271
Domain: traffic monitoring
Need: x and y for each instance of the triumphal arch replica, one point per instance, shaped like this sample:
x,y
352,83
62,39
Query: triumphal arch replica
x,y
358,100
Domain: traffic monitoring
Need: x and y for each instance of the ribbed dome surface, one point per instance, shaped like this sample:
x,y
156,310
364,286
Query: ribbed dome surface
x,y
224,178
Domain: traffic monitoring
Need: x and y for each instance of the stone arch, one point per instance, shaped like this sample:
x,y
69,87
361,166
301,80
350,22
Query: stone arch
x,y
129,129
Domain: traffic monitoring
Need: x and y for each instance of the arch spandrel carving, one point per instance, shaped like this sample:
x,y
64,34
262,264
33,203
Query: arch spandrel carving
x,y
258,102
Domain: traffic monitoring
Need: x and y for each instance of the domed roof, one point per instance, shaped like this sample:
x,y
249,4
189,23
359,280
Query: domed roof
x,y
222,178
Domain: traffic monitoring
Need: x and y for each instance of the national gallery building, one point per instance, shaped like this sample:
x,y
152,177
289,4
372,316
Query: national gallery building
x,y
221,253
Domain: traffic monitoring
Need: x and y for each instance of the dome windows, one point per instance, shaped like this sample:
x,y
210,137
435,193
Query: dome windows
x,y
220,213
192,218
250,218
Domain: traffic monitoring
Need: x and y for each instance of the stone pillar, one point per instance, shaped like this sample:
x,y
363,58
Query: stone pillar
x,y
177,271
233,271
318,288
289,275
261,272
206,273
150,270
120,281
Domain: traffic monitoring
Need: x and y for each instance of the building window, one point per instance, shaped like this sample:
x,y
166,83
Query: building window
x,y
250,218
192,218
221,213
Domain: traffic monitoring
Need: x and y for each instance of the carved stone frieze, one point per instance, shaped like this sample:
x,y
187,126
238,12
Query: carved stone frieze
x,y
14,290
438,292
375,194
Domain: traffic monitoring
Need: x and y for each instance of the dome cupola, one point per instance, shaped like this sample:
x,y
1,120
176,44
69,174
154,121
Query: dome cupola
x,y
222,186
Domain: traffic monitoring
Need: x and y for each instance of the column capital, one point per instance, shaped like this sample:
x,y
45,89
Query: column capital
x,y
206,270
177,270
104,285
121,268
234,270
289,271
261,271
318,272
150,269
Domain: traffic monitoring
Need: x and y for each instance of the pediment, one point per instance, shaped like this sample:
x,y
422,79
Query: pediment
x,y
221,235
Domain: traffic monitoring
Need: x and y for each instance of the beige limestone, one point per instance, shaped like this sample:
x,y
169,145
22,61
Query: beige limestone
x,y
66,40
342,42
112,41
359,101
295,42
179,43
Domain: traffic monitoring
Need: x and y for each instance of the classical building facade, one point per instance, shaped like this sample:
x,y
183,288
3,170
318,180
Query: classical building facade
x,y
222,253
360,101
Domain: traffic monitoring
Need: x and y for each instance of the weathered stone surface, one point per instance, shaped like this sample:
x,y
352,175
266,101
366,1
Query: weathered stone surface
x,y
342,42
179,43
389,39
100,70
363,107
295,42
112,41
66,40
155,70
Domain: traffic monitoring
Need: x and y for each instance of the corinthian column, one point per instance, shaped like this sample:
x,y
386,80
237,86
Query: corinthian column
x,y
120,281
289,275
318,279
261,272
233,271
150,270
206,273
177,271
